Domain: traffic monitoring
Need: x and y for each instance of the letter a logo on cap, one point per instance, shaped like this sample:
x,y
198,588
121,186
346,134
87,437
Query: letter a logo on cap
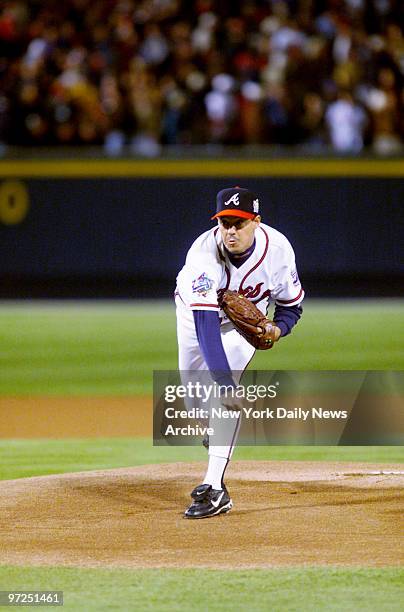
x,y
234,198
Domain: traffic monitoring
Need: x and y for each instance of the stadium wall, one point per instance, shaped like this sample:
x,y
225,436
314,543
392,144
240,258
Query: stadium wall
x,y
109,228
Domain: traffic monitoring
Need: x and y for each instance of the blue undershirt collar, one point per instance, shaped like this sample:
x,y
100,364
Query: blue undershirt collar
x,y
240,258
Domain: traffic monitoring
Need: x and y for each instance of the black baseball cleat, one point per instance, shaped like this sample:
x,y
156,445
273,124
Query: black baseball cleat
x,y
208,502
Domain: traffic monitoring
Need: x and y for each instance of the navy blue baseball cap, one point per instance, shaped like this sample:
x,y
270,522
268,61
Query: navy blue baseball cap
x,y
236,202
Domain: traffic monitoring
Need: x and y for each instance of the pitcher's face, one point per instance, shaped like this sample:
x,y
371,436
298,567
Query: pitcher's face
x,y
237,232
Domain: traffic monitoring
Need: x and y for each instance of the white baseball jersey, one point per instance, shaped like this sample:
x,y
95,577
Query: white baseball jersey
x,y
268,274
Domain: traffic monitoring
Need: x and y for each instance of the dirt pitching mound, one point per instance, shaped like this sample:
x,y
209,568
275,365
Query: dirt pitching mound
x,y
286,513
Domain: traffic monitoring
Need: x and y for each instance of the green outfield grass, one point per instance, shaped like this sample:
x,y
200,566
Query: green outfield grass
x,y
106,348
289,590
112,349
23,458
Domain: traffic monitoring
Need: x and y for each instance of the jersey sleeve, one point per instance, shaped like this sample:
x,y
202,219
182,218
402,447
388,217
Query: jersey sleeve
x,y
198,281
288,290
207,325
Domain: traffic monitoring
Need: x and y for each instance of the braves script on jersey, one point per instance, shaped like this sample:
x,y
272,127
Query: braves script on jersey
x,y
268,274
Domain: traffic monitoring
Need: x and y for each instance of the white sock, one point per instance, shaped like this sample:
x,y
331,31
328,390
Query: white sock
x,y
216,468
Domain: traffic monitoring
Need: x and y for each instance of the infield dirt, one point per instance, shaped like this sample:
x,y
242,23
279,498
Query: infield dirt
x,y
75,417
286,513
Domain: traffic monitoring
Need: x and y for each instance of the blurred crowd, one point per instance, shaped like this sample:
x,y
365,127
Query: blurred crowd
x,y
145,73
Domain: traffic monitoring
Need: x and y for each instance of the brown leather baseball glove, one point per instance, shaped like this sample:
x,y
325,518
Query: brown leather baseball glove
x,y
249,321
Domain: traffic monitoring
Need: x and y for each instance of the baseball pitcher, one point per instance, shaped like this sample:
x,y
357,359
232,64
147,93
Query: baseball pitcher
x,y
231,273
